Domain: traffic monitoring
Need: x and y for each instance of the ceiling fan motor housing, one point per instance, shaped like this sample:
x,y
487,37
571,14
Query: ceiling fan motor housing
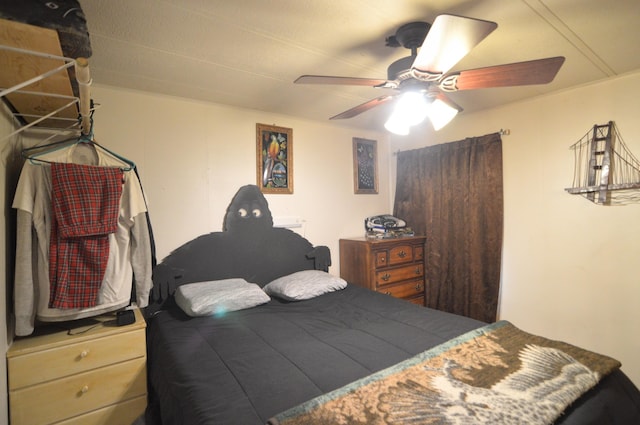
x,y
399,70
410,36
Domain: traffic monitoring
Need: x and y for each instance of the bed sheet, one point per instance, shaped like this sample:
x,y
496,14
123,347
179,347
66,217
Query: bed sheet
x,y
249,365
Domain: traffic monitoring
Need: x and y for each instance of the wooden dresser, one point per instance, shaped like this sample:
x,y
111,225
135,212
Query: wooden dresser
x,y
391,266
92,372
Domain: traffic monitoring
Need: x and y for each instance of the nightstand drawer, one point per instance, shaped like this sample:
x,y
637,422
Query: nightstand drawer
x,y
386,277
46,365
119,414
405,290
77,394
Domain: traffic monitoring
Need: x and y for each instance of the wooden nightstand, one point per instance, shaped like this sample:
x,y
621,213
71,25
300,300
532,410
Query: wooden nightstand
x,y
391,266
85,372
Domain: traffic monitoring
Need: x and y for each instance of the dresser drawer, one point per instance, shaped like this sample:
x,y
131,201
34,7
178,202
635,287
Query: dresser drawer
x,y
46,365
389,276
397,255
417,301
77,394
418,253
401,254
405,290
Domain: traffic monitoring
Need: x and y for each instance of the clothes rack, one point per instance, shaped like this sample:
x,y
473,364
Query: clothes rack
x,y
32,154
45,90
83,76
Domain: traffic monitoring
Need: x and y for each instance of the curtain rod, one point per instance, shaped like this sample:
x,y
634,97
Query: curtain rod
x,y
502,132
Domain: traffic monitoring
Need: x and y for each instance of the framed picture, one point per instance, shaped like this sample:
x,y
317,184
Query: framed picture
x,y
274,159
365,166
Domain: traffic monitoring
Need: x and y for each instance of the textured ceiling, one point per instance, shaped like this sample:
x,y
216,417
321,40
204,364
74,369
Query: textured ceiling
x,y
247,53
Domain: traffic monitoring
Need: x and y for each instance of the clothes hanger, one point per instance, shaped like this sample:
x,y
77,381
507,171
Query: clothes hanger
x,y
66,143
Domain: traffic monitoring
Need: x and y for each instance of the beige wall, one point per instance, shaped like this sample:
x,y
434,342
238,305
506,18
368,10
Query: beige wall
x,y
570,268
193,157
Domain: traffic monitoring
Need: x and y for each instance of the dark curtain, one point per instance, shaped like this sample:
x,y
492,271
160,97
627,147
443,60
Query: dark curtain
x,y
452,193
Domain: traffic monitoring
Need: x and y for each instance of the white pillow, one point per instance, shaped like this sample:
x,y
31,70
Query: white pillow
x,y
304,285
217,297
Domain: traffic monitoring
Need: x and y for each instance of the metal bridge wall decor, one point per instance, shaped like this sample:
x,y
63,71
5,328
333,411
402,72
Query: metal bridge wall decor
x,y
605,170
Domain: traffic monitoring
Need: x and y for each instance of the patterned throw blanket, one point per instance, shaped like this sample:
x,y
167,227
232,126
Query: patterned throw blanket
x,y
496,374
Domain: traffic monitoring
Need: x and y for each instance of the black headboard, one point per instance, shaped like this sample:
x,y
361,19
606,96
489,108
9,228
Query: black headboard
x,y
249,247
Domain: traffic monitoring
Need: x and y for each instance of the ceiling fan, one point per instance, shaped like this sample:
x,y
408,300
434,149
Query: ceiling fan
x,y
423,76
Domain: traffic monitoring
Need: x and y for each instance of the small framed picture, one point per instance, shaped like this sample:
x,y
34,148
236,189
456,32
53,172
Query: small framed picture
x,y
365,166
274,159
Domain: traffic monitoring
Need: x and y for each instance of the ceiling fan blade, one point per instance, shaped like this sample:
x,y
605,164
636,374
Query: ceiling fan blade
x,y
345,81
357,110
449,40
539,71
447,100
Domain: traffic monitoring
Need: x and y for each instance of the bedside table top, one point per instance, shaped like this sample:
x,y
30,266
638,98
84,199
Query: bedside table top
x,y
57,334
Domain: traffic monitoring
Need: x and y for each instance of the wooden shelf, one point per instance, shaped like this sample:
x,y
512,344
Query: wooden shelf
x,y
30,52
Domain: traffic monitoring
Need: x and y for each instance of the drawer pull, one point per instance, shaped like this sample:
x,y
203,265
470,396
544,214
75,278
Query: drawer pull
x,y
84,354
418,271
418,287
402,254
386,277
84,389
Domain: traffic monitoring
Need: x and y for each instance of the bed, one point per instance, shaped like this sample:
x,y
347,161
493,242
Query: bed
x,y
325,351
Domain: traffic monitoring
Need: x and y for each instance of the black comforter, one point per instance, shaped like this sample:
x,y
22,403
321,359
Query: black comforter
x,y
247,366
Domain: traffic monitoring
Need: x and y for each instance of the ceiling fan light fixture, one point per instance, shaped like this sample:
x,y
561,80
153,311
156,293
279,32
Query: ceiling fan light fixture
x,y
396,125
441,113
411,109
